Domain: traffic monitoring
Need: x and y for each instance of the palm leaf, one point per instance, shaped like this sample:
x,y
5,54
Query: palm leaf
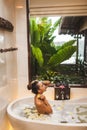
x,y
62,55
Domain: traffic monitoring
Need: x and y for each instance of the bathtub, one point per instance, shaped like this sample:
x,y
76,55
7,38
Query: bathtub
x,y
66,115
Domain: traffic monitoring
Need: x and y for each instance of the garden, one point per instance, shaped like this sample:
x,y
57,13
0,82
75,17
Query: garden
x,y
47,58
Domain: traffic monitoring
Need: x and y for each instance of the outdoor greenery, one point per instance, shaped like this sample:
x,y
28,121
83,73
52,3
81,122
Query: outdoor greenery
x,y
45,55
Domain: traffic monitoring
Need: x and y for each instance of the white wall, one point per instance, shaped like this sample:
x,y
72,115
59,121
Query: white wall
x,y
8,60
21,41
13,65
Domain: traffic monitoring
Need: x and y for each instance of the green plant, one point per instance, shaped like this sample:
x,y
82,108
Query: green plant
x,y
45,55
63,53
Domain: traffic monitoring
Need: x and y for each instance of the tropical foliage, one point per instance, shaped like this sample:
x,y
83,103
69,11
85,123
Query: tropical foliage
x,y
63,53
45,56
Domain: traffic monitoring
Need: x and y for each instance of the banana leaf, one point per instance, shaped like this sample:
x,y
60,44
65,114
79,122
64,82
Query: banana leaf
x,y
38,55
61,55
66,44
34,30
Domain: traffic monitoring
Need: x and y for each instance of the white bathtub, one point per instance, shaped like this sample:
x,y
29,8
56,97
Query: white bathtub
x,y
63,117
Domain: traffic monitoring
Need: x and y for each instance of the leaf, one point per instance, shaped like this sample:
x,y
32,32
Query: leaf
x,y
62,55
56,24
37,54
35,34
66,44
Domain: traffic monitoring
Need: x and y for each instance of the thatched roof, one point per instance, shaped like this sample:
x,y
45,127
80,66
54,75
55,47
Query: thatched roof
x,y
72,25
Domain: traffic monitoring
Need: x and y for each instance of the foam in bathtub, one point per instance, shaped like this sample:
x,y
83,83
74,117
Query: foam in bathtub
x,y
70,113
